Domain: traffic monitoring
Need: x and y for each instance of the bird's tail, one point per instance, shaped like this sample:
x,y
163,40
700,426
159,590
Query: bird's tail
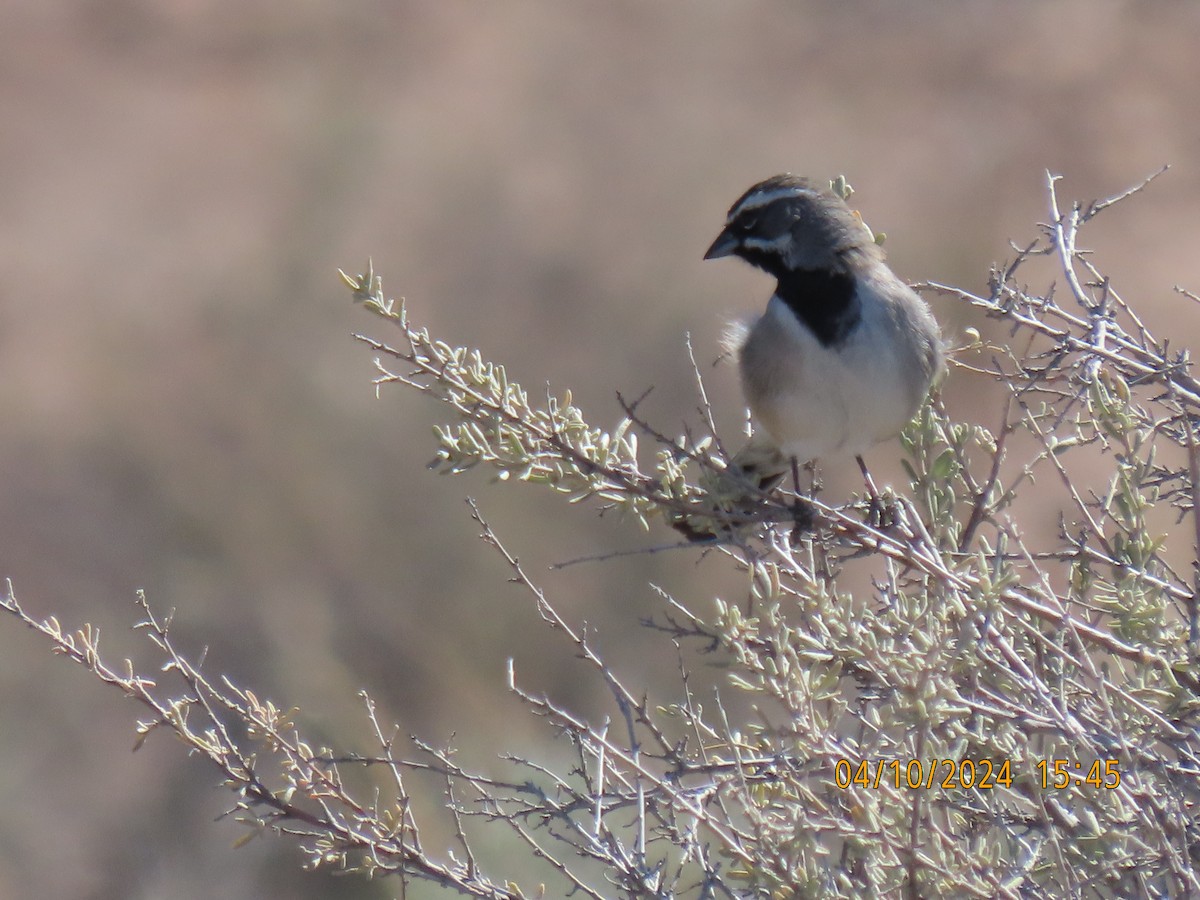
x,y
760,463
734,496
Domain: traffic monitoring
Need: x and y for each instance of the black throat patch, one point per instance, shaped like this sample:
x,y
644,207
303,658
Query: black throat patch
x,y
825,301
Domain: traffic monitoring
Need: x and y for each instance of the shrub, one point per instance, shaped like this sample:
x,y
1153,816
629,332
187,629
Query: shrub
x,y
1008,708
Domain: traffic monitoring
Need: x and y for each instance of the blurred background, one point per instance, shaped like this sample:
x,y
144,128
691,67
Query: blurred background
x,y
184,410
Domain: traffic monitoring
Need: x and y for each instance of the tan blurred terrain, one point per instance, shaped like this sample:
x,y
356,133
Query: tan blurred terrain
x,y
184,411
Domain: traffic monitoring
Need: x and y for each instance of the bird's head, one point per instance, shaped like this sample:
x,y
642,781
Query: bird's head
x,y
785,224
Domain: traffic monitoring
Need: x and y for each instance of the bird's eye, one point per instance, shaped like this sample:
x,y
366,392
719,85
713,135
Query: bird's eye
x,y
746,223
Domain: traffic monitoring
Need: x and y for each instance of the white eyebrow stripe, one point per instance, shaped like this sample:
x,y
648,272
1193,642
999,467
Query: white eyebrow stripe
x,y
762,198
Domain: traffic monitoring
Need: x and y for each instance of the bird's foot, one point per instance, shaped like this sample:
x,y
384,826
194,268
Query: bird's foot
x,y
803,517
882,513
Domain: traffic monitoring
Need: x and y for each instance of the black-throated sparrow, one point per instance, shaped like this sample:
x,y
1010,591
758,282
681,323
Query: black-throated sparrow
x,y
845,352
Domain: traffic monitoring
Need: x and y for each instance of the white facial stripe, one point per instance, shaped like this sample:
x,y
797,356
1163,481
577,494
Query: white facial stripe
x,y
762,198
779,243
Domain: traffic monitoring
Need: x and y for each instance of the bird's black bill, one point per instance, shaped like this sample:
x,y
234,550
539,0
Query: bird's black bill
x,y
724,245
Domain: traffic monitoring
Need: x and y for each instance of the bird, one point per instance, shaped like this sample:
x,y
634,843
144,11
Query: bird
x,y
845,352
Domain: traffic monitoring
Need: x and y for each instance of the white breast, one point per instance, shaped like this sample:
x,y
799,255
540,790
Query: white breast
x,y
815,401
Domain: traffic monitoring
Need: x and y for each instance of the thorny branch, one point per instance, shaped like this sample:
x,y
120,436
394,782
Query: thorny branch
x,y
883,668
